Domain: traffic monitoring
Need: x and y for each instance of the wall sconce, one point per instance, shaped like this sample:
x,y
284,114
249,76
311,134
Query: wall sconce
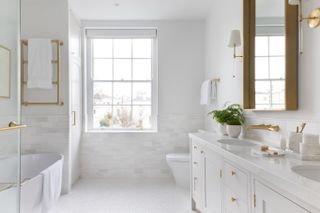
x,y
234,42
313,18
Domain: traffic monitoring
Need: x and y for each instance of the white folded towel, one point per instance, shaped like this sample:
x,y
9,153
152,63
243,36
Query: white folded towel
x,y
51,189
208,92
39,64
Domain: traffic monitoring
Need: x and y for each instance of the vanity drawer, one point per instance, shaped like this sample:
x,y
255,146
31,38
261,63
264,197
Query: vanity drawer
x,y
233,203
236,180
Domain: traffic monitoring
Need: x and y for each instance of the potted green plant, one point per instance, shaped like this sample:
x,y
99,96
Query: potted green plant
x,y
229,119
235,120
220,116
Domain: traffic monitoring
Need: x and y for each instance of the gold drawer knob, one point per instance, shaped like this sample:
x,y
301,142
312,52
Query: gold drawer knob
x,y
233,173
195,163
233,199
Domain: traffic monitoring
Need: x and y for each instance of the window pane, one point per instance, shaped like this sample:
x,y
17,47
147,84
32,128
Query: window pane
x,y
277,67
278,89
122,93
102,48
265,107
122,48
102,117
142,93
263,87
262,68
277,45
262,46
262,99
141,48
142,69
102,69
122,117
122,69
102,93
278,107
141,117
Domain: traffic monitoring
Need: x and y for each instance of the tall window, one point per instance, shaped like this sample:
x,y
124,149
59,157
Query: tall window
x,y
270,72
122,80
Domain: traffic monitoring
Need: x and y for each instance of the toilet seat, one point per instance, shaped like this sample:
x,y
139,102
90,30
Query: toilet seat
x,y
178,157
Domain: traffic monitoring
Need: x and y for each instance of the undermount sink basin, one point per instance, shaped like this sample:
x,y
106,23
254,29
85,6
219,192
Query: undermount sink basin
x,y
308,171
236,142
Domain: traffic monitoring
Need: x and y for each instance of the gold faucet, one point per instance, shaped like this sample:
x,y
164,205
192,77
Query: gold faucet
x,y
268,127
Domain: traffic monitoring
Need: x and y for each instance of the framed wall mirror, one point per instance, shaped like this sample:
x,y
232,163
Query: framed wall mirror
x,y
270,55
5,64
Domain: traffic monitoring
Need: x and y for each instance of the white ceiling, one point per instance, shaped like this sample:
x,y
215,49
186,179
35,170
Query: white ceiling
x,y
140,9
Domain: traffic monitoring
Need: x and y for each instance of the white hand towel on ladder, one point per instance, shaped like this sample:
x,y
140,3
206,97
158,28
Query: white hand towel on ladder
x,y
208,92
39,63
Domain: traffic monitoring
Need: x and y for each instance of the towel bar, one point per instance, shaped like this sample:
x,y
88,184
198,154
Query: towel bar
x,y
24,102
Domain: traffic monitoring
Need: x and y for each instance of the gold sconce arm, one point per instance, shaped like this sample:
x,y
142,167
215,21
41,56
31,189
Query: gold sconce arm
x,y
235,54
269,127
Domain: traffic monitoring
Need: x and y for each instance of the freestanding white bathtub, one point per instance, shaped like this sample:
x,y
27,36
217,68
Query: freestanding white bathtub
x,y
32,166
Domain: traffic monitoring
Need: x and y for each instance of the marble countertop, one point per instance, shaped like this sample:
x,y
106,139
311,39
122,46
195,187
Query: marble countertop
x,y
275,170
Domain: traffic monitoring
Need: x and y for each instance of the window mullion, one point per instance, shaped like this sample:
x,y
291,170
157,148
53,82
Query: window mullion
x,y
131,107
112,88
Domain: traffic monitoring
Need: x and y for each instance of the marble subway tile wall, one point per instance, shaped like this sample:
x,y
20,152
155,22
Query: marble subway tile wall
x,y
137,155
47,133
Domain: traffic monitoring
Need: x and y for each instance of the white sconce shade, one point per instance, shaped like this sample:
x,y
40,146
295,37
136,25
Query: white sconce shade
x,y
294,2
235,39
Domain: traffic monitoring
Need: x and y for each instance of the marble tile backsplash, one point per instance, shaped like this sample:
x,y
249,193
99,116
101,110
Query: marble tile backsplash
x,y
137,155
286,126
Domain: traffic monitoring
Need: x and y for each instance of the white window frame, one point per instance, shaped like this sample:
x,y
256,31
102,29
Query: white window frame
x,y
88,89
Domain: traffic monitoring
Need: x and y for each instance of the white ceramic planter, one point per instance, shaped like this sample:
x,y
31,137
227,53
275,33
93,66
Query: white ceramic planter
x,y
223,129
234,131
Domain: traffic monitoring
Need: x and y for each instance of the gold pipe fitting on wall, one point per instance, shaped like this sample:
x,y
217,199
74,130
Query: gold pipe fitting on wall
x,y
268,127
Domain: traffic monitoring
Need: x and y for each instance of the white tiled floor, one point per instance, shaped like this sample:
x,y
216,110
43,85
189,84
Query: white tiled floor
x,y
124,196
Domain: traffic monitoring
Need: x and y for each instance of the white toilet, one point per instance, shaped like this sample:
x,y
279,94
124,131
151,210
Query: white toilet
x,y
180,167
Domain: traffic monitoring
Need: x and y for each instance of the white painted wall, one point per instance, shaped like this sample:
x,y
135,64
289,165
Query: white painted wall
x,y
181,68
48,129
219,62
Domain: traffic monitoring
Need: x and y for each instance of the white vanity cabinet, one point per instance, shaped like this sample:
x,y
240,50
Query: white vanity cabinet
x,y
235,189
270,201
219,185
206,180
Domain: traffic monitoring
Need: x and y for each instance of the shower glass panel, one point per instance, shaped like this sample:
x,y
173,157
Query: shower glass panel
x,y
9,106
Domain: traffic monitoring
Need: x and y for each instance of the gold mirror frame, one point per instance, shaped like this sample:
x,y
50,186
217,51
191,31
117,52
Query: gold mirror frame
x,y
292,52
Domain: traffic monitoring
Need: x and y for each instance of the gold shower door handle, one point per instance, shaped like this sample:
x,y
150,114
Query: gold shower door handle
x,y
74,118
13,126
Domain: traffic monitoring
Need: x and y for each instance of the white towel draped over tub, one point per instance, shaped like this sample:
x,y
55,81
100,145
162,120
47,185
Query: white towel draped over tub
x,y
51,189
39,64
208,92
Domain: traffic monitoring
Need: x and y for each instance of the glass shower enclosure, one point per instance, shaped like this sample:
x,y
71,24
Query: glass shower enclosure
x,y
9,106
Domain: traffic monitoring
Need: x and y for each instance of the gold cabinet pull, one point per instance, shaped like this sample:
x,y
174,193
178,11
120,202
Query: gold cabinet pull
x,y
233,173
233,199
12,126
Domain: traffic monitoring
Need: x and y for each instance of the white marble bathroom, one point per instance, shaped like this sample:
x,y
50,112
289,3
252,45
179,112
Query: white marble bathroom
x,y
136,106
